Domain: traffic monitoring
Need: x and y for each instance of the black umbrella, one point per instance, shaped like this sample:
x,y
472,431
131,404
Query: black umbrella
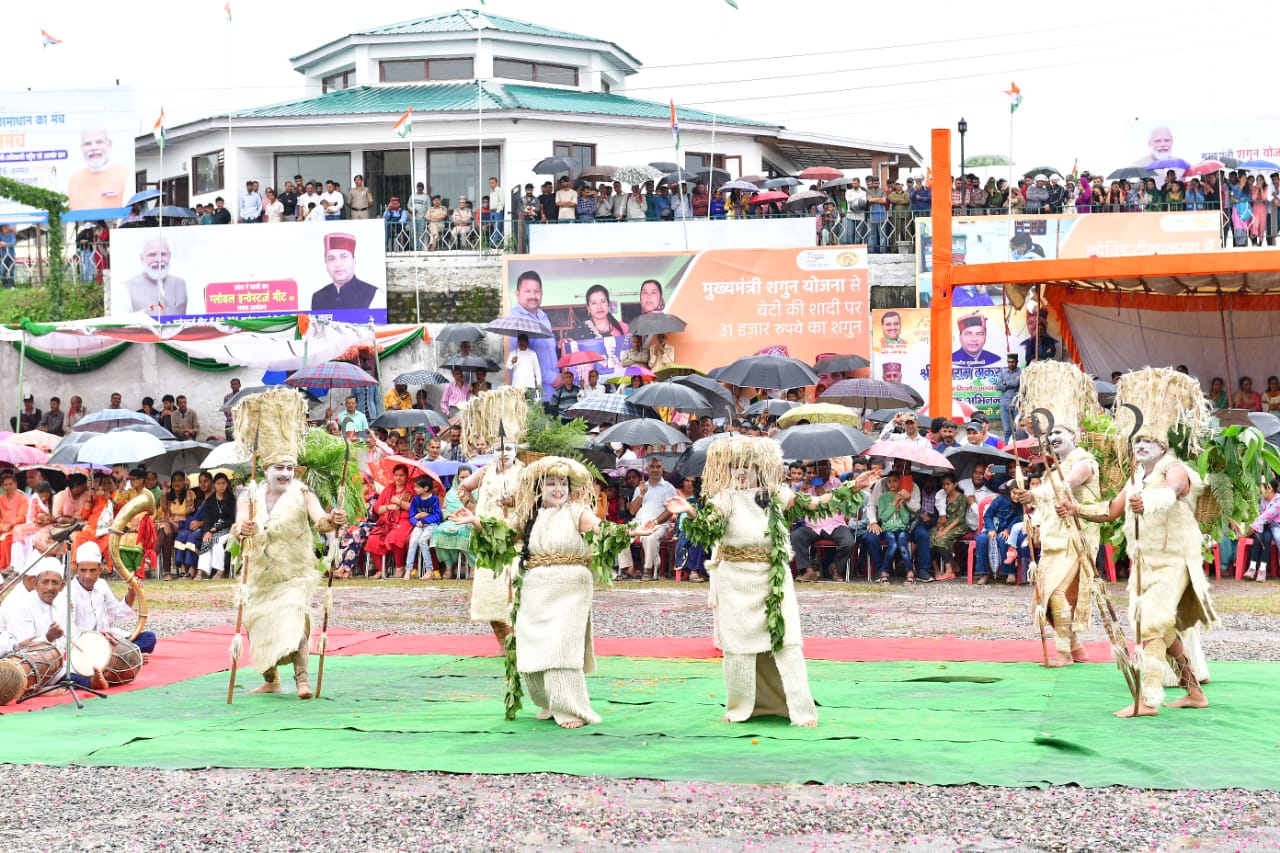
x,y
642,431
408,419
883,416
1128,173
768,371
802,201
710,388
678,175
770,406
1045,170
470,362
456,333
312,399
1106,392
664,167
871,394
421,377
672,395
554,166
821,441
712,176
841,364
657,323
838,184
604,408
694,459
779,183
965,456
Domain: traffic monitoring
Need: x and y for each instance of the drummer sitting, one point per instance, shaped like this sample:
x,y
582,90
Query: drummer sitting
x,y
37,616
93,605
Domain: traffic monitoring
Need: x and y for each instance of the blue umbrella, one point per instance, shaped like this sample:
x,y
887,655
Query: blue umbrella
x,y
106,420
442,467
1170,163
170,212
1260,165
143,196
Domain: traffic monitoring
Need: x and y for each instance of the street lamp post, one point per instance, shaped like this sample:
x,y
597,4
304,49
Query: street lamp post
x,y
963,127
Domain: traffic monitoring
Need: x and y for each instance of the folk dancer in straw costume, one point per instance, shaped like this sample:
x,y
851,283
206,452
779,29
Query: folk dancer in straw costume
x,y
562,545
746,520
274,521
1168,590
496,419
1064,593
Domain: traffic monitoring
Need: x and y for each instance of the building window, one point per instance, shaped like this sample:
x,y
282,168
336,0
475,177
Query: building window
x,y
422,70
314,167
535,72
581,153
452,173
341,80
732,163
208,173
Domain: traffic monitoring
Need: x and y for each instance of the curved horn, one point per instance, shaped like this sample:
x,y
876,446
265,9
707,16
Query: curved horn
x,y
1035,422
1138,419
143,502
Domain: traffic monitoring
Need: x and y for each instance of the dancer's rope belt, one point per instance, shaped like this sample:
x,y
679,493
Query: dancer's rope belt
x,y
542,560
755,554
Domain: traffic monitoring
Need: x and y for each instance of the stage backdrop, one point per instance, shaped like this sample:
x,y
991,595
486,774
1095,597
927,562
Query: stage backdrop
x,y
272,268
736,301
77,143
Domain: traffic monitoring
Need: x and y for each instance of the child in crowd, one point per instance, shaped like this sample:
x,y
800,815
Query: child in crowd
x,y
424,515
895,518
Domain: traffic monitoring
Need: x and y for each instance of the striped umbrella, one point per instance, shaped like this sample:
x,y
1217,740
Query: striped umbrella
x,y
821,413
604,408
422,377
331,374
870,394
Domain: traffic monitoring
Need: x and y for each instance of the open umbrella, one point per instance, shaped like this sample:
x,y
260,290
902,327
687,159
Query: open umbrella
x,y
1208,167
711,389
870,394
768,371
770,406
664,167
421,377
383,469
779,183
179,455
766,197
1049,170
841,364
642,431
802,201
65,451
604,408
965,456
105,420
121,447
21,454
225,455
1128,173
142,197
582,356
514,327
988,160
1260,166
911,452
1106,392
624,377
470,362
821,413
883,416
456,333
843,183
597,173
745,186
694,459
409,419
39,439
554,166
1169,163
960,411
672,371
657,323
672,395
252,390
331,374
821,441
820,173
638,174
169,211
712,176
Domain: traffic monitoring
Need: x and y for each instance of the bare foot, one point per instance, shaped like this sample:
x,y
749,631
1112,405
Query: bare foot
x,y
727,719
572,724
146,658
98,681
808,724
267,687
304,690
1144,710
1079,654
1191,700
1060,659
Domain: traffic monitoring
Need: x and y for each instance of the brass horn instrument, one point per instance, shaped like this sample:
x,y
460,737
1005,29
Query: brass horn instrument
x,y
143,502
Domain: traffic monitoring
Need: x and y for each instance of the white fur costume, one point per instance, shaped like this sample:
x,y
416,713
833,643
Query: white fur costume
x,y
490,591
282,580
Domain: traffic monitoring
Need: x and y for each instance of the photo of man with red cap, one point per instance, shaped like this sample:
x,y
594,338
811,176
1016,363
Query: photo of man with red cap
x,y
973,342
345,292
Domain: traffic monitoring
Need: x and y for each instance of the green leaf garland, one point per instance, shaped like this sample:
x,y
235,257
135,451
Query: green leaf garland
x,y
607,542
514,689
779,540
493,544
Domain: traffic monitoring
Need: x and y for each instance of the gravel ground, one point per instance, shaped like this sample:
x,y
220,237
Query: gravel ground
x,y
368,810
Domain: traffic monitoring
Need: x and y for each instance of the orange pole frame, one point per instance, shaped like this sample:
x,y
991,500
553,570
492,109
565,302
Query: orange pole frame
x,y
940,393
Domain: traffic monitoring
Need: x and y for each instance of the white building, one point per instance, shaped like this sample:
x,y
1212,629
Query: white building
x,y
481,86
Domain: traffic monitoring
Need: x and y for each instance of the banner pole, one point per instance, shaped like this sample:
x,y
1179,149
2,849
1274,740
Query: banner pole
x,y
940,386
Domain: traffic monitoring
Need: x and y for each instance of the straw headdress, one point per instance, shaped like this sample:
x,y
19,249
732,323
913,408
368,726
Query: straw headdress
x,y
483,413
723,456
1062,388
272,424
1168,400
581,485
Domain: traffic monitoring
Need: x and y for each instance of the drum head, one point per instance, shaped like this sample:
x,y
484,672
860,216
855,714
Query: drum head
x,y
125,663
90,651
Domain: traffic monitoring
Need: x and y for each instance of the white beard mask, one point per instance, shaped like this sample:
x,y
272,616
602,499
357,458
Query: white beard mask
x,y
1147,451
555,491
508,454
1062,441
280,475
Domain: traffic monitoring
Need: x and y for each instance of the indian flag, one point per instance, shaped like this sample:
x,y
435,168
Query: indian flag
x,y
157,130
404,126
226,7
675,126
1015,97
47,39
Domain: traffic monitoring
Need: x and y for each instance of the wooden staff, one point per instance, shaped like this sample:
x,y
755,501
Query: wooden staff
x,y
1037,589
244,578
328,592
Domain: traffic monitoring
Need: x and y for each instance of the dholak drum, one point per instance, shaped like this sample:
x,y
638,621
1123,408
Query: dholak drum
x,y
27,669
119,659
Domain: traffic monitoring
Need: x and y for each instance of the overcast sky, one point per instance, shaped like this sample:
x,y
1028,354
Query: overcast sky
x,y
891,72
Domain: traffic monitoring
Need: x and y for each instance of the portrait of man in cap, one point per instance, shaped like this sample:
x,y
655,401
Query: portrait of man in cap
x,y
344,292
973,342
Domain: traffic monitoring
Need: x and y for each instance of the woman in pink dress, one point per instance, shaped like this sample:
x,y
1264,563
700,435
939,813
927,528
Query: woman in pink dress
x,y
1258,225
392,529
36,527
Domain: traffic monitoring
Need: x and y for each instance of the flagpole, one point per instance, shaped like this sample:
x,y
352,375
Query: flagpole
x,y
479,130
675,146
229,171
711,174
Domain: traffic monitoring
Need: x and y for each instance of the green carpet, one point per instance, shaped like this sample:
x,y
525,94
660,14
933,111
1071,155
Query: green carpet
x,y
936,723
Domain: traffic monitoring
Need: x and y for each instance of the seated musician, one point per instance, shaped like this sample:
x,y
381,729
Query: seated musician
x,y
95,608
37,617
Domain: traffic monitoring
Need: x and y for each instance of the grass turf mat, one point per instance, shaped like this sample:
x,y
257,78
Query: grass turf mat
x,y
926,722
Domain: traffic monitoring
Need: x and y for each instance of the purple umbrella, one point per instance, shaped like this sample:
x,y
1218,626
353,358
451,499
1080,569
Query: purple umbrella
x,y
331,374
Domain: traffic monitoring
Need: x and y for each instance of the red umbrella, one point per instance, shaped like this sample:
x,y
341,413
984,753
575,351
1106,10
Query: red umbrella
x,y
764,198
383,468
1208,167
911,452
820,173
582,356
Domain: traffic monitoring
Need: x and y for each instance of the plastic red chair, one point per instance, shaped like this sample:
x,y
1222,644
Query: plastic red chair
x,y
1242,555
973,543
